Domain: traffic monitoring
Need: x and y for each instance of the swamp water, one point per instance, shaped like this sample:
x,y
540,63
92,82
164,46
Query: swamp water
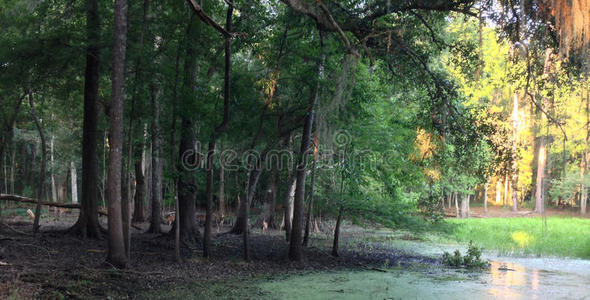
x,y
522,278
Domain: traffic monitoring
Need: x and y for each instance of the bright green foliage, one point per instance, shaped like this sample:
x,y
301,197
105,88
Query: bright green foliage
x,y
472,260
560,236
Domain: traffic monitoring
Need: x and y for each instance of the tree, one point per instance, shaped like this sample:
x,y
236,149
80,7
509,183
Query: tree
x,y
117,254
41,181
87,224
156,216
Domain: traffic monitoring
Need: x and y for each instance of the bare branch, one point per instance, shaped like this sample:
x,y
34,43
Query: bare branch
x,y
205,18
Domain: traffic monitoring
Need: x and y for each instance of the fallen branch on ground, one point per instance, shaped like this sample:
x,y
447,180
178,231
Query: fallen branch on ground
x,y
16,198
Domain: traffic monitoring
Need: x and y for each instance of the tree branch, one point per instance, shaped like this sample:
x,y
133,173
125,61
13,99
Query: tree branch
x,y
205,18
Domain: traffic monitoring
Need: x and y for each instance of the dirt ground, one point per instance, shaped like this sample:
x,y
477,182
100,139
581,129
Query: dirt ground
x,y
506,212
55,265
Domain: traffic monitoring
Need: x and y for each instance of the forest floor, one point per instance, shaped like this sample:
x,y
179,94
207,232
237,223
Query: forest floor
x,y
55,265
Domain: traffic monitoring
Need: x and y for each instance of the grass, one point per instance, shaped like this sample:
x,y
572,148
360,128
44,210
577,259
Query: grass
x,y
558,236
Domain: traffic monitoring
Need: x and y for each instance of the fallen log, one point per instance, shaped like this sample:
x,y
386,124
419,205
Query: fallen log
x,y
16,198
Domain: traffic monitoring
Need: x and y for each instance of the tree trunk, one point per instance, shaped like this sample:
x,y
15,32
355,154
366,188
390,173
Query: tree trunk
x,y
315,145
87,224
456,205
505,198
140,193
485,198
295,243
541,161
12,167
117,252
156,166
289,196
337,232
542,157
187,186
221,184
272,199
514,158
339,219
583,188
188,159
53,186
464,207
41,179
311,189
74,178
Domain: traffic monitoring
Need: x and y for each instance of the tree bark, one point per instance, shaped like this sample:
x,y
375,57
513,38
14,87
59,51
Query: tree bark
x,y
464,207
15,198
188,158
541,161
140,193
221,184
53,186
41,179
74,178
514,158
117,254
584,168
295,243
485,198
456,196
87,224
339,219
542,156
156,166
311,190
271,200
289,196
337,233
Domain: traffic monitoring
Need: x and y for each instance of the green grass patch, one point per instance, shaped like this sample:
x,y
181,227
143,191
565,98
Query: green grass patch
x,y
559,236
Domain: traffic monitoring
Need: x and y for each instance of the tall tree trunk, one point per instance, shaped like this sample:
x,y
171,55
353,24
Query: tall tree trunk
x,y
514,158
53,186
316,144
41,179
485,197
295,243
311,189
337,232
272,199
542,156
138,80
288,204
541,161
140,193
221,184
188,158
584,188
156,219
506,189
12,167
457,205
74,179
464,207
220,129
117,254
87,224
339,219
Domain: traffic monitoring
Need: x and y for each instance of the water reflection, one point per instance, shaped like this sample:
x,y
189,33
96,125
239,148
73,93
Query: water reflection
x,y
505,276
